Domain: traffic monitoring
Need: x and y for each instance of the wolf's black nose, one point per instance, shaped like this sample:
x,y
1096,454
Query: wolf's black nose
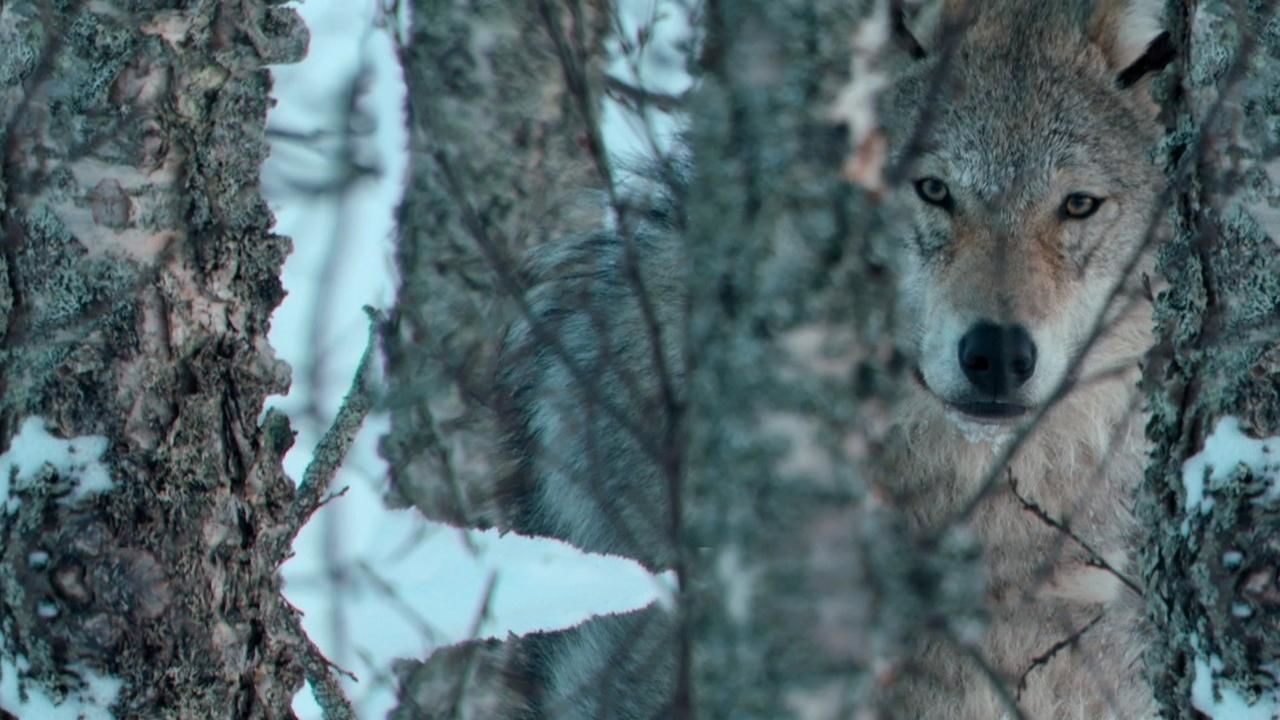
x,y
997,358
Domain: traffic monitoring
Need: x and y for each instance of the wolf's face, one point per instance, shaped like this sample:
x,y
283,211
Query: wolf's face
x,y
1029,190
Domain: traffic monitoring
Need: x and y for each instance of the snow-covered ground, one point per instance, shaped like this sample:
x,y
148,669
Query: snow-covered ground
x,y
378,584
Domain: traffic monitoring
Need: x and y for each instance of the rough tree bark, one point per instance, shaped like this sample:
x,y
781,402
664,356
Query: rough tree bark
x,y
137,279
1213,572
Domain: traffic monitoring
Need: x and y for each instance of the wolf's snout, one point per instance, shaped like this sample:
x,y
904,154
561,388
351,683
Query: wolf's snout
x,y
997,359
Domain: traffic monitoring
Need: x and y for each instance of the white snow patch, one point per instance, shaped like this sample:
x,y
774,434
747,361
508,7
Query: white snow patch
x,y
398,586
1226,449
1228,704
89,702
33,448
413,585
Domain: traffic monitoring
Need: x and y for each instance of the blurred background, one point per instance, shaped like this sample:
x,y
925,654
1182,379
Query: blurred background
x,y
377,584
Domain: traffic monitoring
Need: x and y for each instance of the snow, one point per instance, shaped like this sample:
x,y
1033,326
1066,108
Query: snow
x,y
33,448
1226,449
414,585
658,67
1223,702
79,461
376,584
90,701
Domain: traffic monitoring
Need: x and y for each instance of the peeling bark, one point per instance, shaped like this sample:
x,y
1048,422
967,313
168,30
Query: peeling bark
x,y
139,274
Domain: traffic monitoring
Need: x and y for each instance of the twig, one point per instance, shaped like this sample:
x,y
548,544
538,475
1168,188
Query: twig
x,y
1184,167
637,97
1044,657
510,284
471,662
320,671
333,445
1095,558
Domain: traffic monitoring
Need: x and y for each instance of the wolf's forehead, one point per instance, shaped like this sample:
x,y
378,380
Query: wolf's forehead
x,y
1000,142
994,159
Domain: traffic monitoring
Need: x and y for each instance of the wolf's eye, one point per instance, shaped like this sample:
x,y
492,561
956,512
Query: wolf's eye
x,y
934,191
1078,206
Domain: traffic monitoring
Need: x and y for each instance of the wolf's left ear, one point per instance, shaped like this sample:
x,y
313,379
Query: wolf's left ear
x,y
1131,35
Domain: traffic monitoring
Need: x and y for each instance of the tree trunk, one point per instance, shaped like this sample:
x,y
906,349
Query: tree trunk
x,y
791,589
1214,549
501,159
136,285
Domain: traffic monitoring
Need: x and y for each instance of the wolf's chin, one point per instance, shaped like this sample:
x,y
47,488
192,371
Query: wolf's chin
x,y
979,431
978,422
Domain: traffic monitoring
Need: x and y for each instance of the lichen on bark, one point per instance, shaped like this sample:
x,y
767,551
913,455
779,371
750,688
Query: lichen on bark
x,y
1218,355
139,277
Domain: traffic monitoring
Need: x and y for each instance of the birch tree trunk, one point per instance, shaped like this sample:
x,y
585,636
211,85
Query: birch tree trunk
x,y
1213,512
146,508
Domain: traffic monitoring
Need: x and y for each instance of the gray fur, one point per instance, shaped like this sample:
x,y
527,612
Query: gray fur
x,y
1034,110
586,413
587,425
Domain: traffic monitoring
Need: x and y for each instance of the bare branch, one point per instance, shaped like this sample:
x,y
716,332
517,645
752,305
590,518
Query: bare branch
x,y
333,445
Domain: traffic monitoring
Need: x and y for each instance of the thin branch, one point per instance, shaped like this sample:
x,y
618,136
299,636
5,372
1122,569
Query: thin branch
x,y
471,662
514,289
667,454
1043,658
1185,165
1095,558
321,673
333,445
1100,326
637,98
580,89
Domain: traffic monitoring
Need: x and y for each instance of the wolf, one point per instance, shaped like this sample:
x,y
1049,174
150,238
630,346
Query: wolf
x,y
1031,212
1024,208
